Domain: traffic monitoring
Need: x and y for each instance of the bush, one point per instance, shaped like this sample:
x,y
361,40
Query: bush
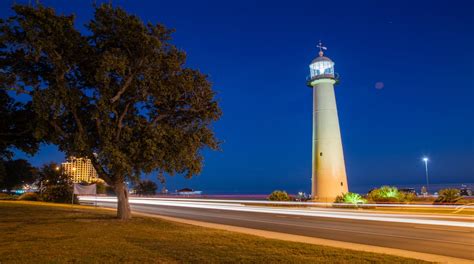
x,y
278,195
6,196
29,196
56,186
406,197
387,194
58,194
448,196
350,198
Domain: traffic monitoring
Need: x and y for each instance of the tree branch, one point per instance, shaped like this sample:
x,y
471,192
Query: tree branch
x,y
101,172
158,118
125,86
78,122
58,128
127,83
120,120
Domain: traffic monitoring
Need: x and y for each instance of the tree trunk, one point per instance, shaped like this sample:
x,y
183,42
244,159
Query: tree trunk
x,y
123,207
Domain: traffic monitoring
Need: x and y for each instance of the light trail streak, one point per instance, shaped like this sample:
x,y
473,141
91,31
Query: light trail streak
x,y
223,205
307,203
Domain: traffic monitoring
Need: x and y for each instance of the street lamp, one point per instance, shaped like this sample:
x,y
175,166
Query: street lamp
x,y
425,159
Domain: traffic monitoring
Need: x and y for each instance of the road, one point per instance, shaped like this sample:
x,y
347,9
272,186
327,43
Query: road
x,y
441,235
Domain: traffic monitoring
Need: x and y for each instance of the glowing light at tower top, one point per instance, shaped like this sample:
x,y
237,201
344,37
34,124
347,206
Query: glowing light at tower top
x,y
321,66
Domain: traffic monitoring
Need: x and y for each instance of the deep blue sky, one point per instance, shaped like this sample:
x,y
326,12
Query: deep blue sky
x,y
257,56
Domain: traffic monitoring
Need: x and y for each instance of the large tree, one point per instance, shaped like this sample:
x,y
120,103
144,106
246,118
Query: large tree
x,y
119,94
17,123
16,126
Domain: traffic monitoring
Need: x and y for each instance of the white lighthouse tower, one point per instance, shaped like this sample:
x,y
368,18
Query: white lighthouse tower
x,y
329,171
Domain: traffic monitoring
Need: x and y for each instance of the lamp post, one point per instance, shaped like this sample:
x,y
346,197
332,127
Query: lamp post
x,y
425,159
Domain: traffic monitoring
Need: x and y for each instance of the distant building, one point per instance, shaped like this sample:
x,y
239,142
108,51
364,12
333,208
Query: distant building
x,y
80,170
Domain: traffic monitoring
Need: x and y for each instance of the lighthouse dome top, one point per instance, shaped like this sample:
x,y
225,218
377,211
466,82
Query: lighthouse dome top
x,y
321,67
321,58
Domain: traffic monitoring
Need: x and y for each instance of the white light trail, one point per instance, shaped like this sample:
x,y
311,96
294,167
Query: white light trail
x,y
231,206
303,203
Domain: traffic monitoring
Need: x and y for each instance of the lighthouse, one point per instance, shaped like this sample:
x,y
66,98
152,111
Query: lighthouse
x,y
328,171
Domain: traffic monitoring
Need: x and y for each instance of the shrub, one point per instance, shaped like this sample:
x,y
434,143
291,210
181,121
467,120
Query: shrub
x,y
350,198
58,194
385,194
56,185
29,196
406,197
278,195
448,196
6,196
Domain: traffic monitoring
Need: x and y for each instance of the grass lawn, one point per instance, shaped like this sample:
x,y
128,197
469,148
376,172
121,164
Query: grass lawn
x,y
34,232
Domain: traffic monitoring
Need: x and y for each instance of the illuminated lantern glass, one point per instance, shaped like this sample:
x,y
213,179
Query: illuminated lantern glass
x,y
321,67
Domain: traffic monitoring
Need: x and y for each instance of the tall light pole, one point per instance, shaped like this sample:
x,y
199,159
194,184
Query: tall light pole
x,y
425,159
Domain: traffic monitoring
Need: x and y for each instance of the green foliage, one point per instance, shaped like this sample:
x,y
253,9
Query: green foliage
x,y
29,196
449,195
350,198
146,187
17,123
385,194
120,96
55,185
406,197
6,196
100,187
3,174
278,195
16,173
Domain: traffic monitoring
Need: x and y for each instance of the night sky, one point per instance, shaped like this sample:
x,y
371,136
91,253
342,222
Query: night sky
x,y
406,90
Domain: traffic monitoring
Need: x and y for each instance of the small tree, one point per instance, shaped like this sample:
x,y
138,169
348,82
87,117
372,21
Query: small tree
x,y
119,95
146,187
278,195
